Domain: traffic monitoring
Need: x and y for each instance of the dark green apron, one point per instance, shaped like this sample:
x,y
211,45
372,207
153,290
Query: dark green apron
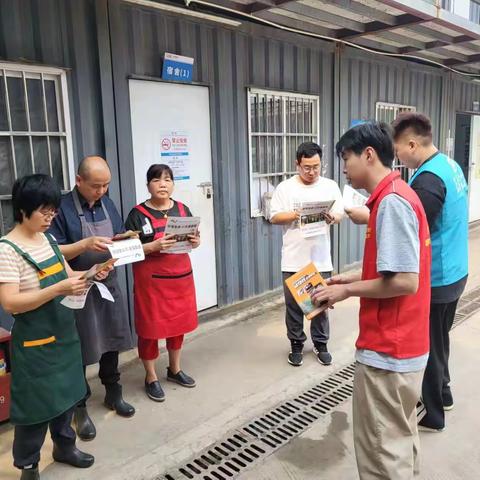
x,y
47,372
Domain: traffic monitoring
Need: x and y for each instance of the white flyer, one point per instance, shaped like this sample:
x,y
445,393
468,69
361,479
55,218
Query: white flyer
x,y
312,221
77,302
181,227
104,292
127,251
352,198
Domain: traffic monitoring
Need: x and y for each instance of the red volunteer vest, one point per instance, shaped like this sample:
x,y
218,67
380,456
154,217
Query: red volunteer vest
x,y
397,326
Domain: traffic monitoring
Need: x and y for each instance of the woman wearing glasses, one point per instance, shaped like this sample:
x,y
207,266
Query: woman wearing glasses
x,y
46,367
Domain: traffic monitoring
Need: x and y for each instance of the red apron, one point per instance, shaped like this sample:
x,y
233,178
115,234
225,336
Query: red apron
x,y
164,290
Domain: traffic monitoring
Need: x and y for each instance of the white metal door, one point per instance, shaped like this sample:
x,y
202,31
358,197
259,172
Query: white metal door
x,y
162,114
474,186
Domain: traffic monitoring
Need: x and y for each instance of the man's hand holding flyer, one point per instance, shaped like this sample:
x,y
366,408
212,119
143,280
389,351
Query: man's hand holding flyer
x,y
96,269
302,284
129,250
312,217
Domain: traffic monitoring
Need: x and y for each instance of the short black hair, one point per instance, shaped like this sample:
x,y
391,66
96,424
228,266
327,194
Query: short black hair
x,y
419,123
377,135
308,150
156,171
32,192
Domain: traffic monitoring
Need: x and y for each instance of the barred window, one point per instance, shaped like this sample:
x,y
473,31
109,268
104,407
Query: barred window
x,y
388,112
475,11
277,123
35,132
448,5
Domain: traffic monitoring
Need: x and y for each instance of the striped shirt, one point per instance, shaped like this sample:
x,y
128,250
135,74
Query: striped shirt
x,y
15,269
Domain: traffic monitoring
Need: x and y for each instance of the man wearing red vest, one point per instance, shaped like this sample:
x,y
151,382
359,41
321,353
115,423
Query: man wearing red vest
x,y
394,291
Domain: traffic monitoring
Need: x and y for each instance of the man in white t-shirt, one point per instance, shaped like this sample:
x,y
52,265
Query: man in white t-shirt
x,y
298,250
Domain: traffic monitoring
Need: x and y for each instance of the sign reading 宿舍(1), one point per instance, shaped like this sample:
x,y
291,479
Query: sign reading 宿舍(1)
x,y
177,67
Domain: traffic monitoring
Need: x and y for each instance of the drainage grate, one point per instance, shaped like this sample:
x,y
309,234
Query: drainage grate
x,y
261,436
472,295
467,306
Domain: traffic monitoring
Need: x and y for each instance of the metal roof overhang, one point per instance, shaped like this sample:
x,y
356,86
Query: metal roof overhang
x,y
403,27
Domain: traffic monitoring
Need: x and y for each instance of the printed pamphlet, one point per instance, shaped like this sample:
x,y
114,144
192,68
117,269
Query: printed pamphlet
x,y
302,284
127,251
312,217
77,302
181,228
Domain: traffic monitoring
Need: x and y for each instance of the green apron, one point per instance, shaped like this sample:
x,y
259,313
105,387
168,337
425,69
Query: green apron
x,y
47,372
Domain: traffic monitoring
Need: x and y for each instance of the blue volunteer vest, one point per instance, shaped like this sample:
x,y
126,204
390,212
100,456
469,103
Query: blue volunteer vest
x,y
450,233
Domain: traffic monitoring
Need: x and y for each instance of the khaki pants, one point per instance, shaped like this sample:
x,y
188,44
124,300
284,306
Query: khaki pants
x,y
385,423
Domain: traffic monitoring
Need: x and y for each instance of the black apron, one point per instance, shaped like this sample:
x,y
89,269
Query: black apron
x,y
103,326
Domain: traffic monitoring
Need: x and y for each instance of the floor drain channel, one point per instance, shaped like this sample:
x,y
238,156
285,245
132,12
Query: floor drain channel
x,y
261,436
467,306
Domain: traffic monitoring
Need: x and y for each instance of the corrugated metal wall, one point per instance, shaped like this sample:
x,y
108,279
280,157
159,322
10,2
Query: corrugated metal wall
x,y
365,80
459,95
228,60
464,93
103,42
63,33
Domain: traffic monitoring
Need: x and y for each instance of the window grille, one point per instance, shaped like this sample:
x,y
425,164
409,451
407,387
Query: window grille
x,y
388,112
278,122
35,132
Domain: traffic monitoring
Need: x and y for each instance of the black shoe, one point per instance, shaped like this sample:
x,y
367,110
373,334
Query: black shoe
x,y
83,424
154,391
447,399
295,357
114,401
320,350
30,474
425,428
181,378
447,408
72,456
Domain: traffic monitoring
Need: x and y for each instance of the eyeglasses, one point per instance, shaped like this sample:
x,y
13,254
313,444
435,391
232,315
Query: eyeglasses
x,y
48,214
308,168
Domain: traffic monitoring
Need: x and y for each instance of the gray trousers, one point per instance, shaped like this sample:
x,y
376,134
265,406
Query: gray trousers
x,y
319,325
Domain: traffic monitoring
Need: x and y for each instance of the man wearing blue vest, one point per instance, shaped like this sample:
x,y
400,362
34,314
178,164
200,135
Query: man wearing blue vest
x,y
440,184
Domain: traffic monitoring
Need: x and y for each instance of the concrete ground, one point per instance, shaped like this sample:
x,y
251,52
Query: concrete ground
x,y
326,452
241,371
